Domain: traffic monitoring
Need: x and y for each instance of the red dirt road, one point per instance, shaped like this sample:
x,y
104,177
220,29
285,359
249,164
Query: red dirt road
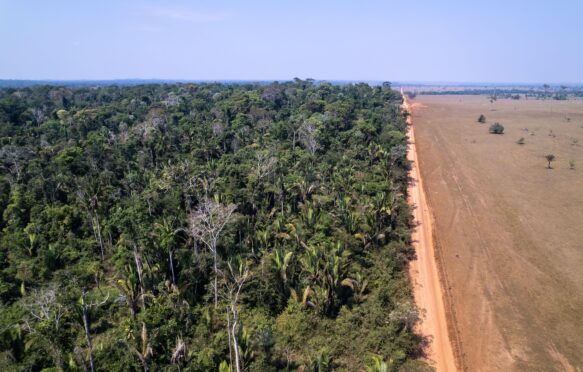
x,y
424,272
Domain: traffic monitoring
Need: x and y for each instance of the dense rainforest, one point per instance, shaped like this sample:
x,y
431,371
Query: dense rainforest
x,y
201,227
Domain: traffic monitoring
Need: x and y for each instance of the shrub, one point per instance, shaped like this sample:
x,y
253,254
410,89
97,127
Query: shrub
x,y
482,119
497,128
571,164
520,141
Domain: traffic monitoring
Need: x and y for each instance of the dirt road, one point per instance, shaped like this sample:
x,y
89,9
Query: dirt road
x,y
424,272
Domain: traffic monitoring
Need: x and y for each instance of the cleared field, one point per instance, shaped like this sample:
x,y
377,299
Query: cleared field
x,y
509,231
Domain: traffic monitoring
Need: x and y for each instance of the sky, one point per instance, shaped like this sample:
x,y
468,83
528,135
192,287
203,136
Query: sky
x,y
536,41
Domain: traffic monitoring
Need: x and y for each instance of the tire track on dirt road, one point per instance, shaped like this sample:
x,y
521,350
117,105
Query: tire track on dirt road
x,y
427,287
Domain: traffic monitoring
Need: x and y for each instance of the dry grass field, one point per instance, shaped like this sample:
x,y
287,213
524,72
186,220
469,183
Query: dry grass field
x,y
509,231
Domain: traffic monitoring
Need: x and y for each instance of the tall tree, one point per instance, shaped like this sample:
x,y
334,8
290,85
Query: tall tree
x,y
206,224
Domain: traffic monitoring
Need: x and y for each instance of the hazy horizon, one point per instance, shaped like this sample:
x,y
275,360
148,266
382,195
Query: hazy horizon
x,y
454,41
377,81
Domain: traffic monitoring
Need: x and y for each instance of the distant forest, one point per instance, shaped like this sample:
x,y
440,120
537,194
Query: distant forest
x,y
559,93
200,227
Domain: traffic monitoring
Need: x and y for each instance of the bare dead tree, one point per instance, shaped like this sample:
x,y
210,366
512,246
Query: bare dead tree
x,y
206,224
14,158
39,114
90,200
389,159
235,278
265,164
139,271
307,134
43,306
84,308
295,128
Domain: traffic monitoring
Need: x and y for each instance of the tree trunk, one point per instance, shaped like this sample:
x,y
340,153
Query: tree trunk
x,y
88,338
234,337
99,236
172,266
195,247
143,362
229,334
139,271
58,356
216,275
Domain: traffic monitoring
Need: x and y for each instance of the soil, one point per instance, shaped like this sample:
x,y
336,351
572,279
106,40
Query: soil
x,y
423,270
508,231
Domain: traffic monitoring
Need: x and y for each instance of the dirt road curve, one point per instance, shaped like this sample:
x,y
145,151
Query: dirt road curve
x,y
423,271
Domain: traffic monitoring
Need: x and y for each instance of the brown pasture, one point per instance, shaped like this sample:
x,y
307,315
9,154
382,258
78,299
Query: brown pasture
x,y
509,231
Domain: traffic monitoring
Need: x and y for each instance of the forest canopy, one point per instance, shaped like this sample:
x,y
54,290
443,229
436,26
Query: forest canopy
x,y
203,227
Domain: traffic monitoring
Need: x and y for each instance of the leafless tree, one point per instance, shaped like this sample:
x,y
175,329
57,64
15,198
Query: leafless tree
x,y
139,271
405,314
84,308
39,114
89,199
238,274
295,126
395,154
206,224
307,134
171,100
14,158
265,164
44,306
218,128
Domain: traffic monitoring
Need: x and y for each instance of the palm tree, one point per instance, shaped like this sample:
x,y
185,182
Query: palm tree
x,y
164,232
322,362
310,214
143,350
129,286
378,365
281,261
179,352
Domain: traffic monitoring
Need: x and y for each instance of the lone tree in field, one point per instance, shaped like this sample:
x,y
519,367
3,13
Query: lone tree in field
x,y
497,128
206,225
550,158
482,119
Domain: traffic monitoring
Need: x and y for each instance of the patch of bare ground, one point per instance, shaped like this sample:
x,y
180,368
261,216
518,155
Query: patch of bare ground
x,y
508,231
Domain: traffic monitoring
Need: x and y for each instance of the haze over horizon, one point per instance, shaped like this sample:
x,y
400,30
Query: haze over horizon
x,y
454,41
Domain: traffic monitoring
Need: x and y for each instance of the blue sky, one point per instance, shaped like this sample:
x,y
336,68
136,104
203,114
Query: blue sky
x,y
462,41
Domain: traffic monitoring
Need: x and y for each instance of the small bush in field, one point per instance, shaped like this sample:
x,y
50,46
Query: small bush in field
x,y
497,128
